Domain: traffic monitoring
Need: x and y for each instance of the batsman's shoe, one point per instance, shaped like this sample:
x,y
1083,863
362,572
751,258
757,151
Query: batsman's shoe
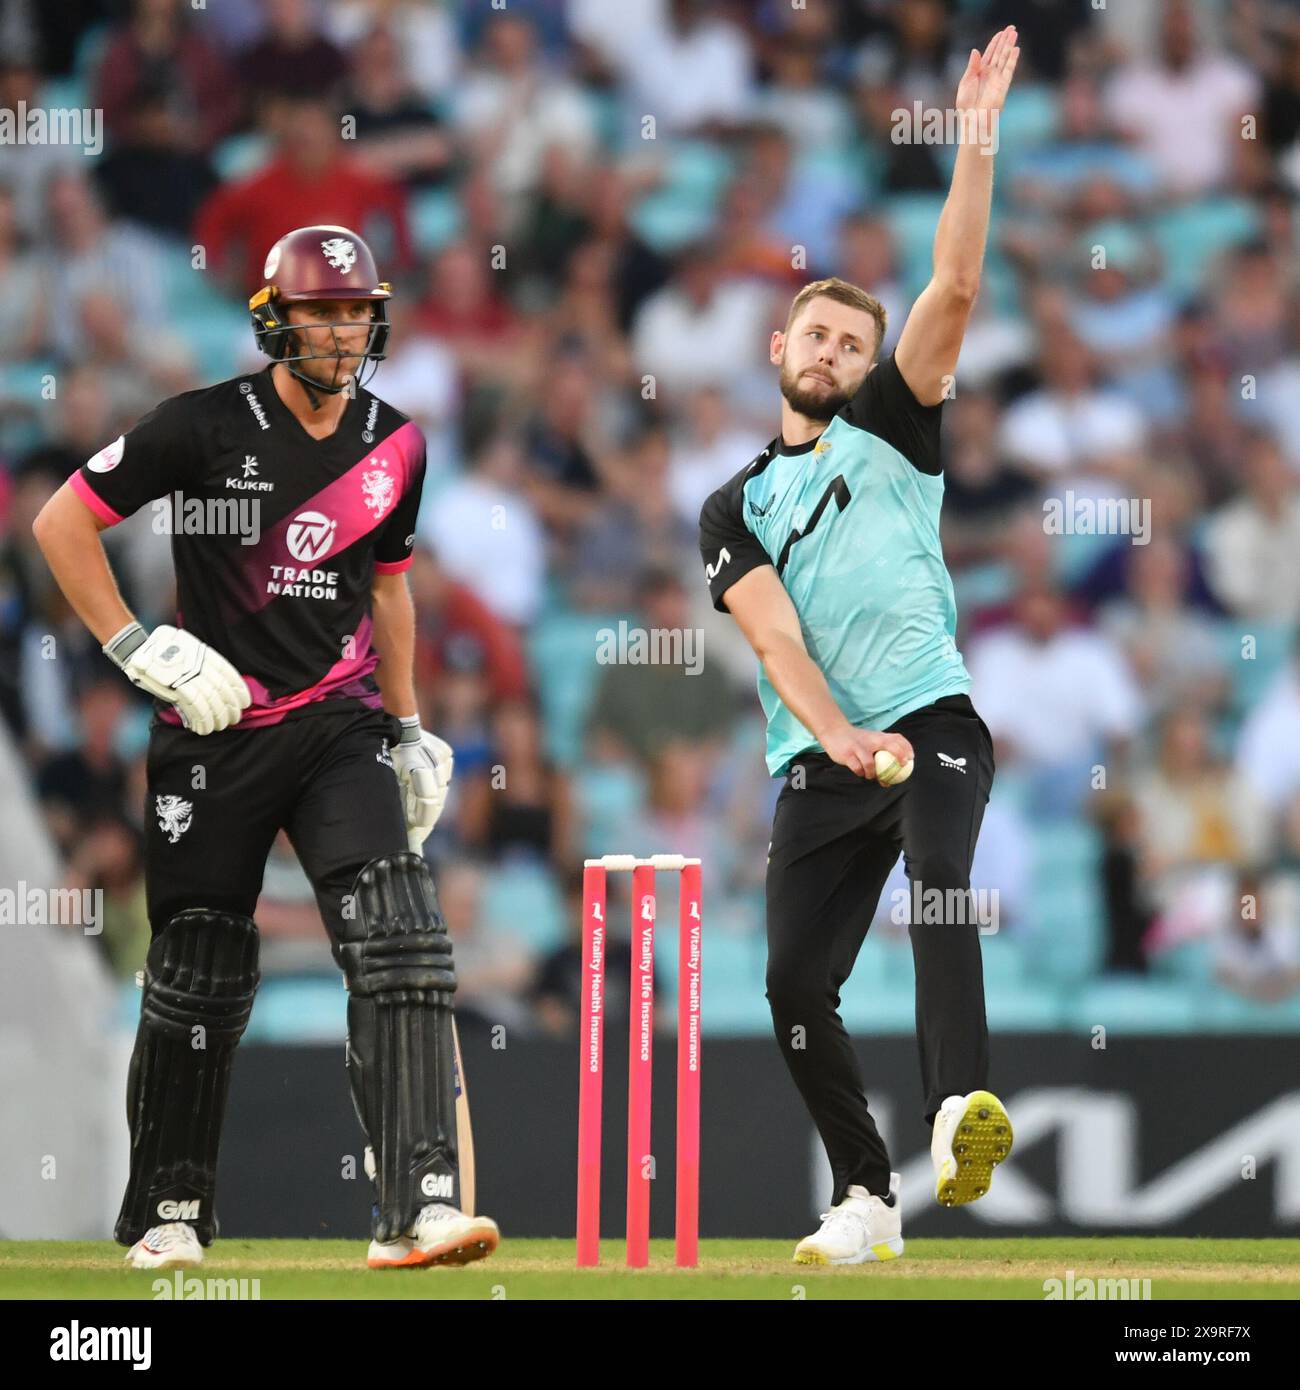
x,y
170,1246
441,1235
861,1229
972,1135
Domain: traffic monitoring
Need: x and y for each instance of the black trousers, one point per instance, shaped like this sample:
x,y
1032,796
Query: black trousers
x,y
835,839
216,803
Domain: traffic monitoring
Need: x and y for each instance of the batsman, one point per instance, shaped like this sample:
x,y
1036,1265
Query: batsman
x,y
826,551
285,699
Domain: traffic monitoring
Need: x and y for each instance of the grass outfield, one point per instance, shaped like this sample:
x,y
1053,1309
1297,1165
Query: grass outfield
x,y
729,1269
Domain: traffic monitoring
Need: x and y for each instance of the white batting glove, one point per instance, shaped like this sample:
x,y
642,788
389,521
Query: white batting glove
x,y
173,665
423,764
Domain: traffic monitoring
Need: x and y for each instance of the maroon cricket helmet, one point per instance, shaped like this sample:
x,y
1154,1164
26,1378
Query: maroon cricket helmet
x,y
318,263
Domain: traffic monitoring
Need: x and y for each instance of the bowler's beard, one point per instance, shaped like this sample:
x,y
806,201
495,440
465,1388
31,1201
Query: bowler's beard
x,y
809,401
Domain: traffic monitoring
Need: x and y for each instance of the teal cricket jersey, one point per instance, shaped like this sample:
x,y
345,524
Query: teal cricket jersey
x,y
851,523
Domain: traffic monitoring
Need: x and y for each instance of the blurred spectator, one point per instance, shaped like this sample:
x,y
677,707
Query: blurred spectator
x,y
1070,428
683,62
753,250
293,57
160,58
30,606
427,41
866,257
1257,954
464,309
108,858
510,110
152,175
638,270
1268,748
701,328
1184,110
1058,700
811,112
89,780
709,448
566,454
911,61
422,380
1124,316
1199,823
135,372
635,527
397,136
556,989
804,203
1278,403
27,169
22,292
583,320
1084,149
522,807
1250,315
493,965
1280,116
452,622
310,179
87,254
84,422
981,491
487,534
642,705
1128,909
1175,651
1253,544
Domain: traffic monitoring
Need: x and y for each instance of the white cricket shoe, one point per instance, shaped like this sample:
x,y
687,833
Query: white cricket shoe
x,y
173,1245
972,1135
862,1228
440,1235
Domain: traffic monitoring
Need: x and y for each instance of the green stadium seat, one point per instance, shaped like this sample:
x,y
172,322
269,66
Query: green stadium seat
x,y
1251,679
560,650
23,382
436,218
879,1008
1192,963
1129,1005
524,901
733,967
238,156
608,799
1191,237
1004,961
1026,1008
682,208
1225,1012
299,1009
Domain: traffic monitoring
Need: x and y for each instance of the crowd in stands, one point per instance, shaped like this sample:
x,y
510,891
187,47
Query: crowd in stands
x,y
594,213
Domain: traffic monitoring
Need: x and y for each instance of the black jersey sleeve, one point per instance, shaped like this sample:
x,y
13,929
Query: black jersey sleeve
x,y
154,458
885,406
396,542
728,547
